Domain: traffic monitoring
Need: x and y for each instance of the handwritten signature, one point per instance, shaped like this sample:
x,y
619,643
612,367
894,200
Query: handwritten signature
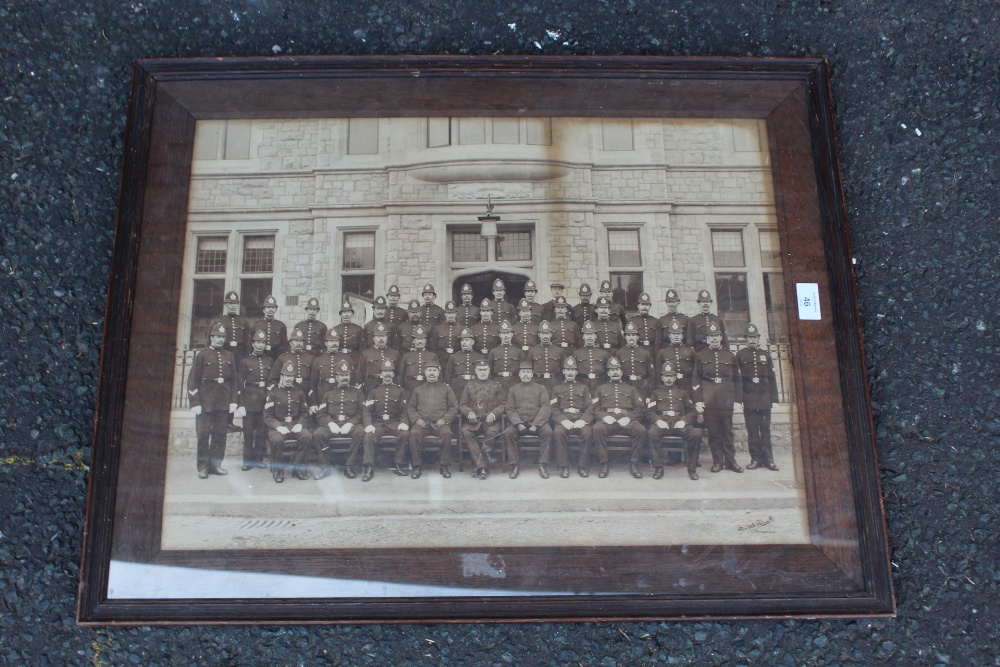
x,y
757,524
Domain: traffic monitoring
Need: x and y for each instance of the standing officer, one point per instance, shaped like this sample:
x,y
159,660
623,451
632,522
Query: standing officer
x,y
431,408
312,329
460,367
212,392
504,310
647,325
546,359
637,363
572,414
404,331
505,358
530,294
324,368
607,326
445,336
237,327
395,314
482,407
549,307
565,332
487,332
372,361
251,385
584,311
528,411
671,412
273,328
760,391
525,329
591,360
680,356
431,314
617,310
617,409
699,325
667,322
467,313
339,414
414,364
380,312
300,360
352,336
717,386
285,415
385,414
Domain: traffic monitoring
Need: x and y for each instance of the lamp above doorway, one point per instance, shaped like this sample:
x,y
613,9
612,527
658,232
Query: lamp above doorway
x,y
488,222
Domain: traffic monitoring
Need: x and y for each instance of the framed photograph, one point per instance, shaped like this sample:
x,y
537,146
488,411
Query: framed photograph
x,y
414,339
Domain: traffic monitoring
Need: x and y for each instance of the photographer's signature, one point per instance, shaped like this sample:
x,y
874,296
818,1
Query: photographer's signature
x,y
757,525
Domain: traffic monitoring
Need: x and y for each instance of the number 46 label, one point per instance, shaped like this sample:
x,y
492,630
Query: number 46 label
x,y
807,295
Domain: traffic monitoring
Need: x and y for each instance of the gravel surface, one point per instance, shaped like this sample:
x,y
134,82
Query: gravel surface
x,y
916,85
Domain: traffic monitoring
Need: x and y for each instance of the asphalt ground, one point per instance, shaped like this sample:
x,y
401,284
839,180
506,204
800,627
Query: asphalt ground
x,y
916,91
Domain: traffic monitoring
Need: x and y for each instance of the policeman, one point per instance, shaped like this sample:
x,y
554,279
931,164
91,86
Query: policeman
x,y
487,332
565,332
372,361
505,358
431,408
482,406
525,329
528,411
760,391
404,331
572,414
680,356
530,294
380,316
312,329
324,368
717,386
591,360
251,384
504,310
672,317
617,409
414,364
385,414
300,360
672,413
285,415
617,310
637,363
699,325
212,392
352,336
647,325
273,328
549,307
395,314
460,367
607,326
340,414
445,336
467,313
546,359
584,311
237,327
431,314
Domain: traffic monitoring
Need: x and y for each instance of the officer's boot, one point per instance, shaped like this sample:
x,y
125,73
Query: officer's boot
x,y
658,472
564,472
417,471
605,469
445,472
634,470
349,472
369,472
583,471
543,470
514,471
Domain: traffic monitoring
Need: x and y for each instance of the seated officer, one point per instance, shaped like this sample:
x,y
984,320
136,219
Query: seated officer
x,y
339,414
285,415
385,414
617,409
505,358
528,411
671,412
459,368
415,362
482,406
431,408
572,414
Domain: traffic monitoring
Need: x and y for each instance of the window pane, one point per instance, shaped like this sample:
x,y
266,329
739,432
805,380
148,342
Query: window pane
x,y
253,291
359,251
438,132
770,249
727,248
258,254
623,247
734,304
362,136
361,285
211,254
774,301
468,247
205,308
506,131
237,139
626,288
514,246
207,137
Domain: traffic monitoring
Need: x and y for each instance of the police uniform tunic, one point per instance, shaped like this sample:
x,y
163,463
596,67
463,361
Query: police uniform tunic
x,y
487,336
537,312
431,401
503,310
592,362
286,406
760,391
583,312
212,385
237,334
340,406
275,332
404,335
385,409
324,373
252,387
431,314
571,401
637,368
303,370
445,339
314,333
699,326
667,325
671,405
391,333
649,331
371,363
528,404
483,397
396,315
566,334
413,366
504,360
525,335
460,369
717,384
681,358
546,363
466,315
617,400
609,334
352,336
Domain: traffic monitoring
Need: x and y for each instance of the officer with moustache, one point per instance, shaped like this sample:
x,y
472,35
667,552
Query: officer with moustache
x,y
637,363
572,414
324,368
251,383
565,332
617,310
212,393
431,408
607,326
352,336
646,325
385,415
380,316
672,413
584,311
591,360
701,324
546,359
460,367
414,364
525,330
404,332
431,314
273,328
680,356
467,314
482,407
717,387
237,335
503,310
286,414
339,413
673,320
528,411
394,313
300,360
760,392
312,329
530,294
505,358
618,408
372,361
487,332
445,336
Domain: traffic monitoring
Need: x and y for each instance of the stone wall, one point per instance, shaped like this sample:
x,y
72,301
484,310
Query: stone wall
x,y
686,247
305,250
252,192
363,187
629,184
571,240
410,253
729,185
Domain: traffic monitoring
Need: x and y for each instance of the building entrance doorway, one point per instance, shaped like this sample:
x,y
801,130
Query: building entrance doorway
x,y
482,286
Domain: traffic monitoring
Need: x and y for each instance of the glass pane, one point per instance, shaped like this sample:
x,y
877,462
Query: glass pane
x,y
206,306
468,247
253,293
727,248
770,249
734,303
359,251
506,131
623,247
626,288
361,285
514,246
258,254
211,254
774,301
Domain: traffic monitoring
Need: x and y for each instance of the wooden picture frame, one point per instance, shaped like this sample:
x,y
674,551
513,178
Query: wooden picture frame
x,y
840,570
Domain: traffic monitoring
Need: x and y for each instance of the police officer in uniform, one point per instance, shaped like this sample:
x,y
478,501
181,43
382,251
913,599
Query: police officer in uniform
x,y
487,332
251,383
525,329
460,367
505,358
404,332
237,335
286,413
414,364
572,414
431,314
380,316
466,312
482,406
699,325
672,413
584,311
212,393
549,307
646,325
528,411
530,294
618,408
385,414
431,408
591,360
312,329
324,367
445,336
680,356
637,363
608,327
352,336
546,359
760,391
372,361
339,413
503,309
617,310
394,313
300,360
673,316
273,328
565,332
717,387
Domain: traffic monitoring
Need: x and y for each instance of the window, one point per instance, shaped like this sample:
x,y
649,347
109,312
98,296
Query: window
x,y
359,264
626,288
205,309
514,246
623,247
727,248
212,252
468,247
222,140
258,254
362,136
499,131
624,252
438,132
733,298
774,289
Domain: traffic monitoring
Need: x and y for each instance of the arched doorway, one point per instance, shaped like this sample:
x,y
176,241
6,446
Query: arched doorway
x,y
482,286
